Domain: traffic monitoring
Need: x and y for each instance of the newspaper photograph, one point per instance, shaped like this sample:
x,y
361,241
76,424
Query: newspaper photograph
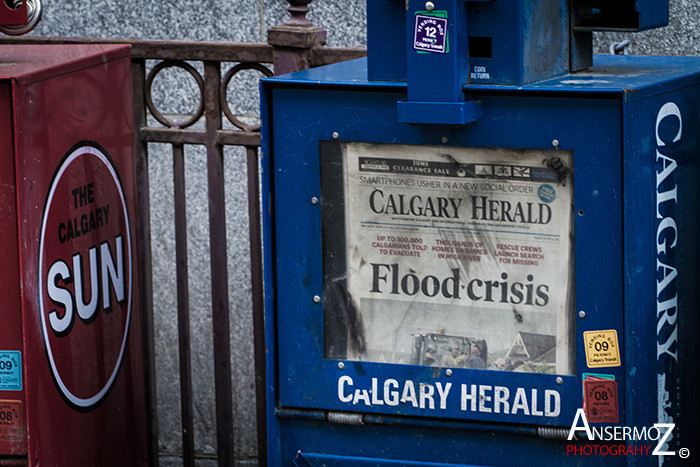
x,y
460,257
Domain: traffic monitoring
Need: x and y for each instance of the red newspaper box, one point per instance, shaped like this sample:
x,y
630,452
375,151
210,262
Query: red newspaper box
x,y
71,369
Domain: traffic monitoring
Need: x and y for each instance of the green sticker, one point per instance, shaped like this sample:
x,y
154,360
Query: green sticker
x,y
598,376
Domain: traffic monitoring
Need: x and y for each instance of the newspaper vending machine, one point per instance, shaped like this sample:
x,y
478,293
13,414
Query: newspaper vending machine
x,y
481,243
71,361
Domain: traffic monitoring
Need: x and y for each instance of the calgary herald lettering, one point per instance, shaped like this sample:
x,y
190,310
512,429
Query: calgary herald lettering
x,y
437,396
460,257
482,208
669,138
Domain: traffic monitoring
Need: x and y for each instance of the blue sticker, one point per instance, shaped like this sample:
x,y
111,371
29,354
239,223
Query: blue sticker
x,y
10,370
430,34
547,193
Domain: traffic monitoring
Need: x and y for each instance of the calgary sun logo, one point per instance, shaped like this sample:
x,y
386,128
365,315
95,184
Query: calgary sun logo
x,y
85,276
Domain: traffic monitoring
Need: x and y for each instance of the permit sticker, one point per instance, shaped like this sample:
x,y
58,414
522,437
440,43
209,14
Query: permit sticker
x,y
11,421
600,400
10,370
430,34
594,377
602,349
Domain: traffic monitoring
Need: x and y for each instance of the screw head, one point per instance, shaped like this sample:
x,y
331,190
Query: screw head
x,y
341,365
581,314
448,372
430,6
560,380
443,139
317,299
335,135
314,200
555,143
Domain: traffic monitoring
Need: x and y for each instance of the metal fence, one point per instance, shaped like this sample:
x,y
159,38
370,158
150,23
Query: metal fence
x,y
296,44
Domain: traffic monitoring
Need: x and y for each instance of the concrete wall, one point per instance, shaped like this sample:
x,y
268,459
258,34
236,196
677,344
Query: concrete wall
x,y
237,20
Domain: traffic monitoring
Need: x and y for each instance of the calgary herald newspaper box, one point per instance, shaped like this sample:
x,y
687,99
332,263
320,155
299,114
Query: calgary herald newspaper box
x,y
71,372
481,236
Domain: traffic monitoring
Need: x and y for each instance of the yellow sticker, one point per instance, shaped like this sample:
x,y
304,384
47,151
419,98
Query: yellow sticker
x,y
601,348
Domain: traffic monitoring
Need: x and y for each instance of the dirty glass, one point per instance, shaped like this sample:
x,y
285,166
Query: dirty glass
x,y
448,256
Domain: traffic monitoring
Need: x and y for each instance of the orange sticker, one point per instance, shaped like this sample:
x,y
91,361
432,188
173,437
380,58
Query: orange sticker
x,y
600,400
11,421
602,349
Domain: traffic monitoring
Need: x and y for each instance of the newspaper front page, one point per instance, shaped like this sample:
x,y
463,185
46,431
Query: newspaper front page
x,y
460,257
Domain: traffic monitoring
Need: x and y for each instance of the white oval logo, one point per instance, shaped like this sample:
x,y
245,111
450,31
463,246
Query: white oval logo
x,y
85,276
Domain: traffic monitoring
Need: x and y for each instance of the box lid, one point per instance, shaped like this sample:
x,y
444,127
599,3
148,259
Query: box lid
x,y
28,63
634,77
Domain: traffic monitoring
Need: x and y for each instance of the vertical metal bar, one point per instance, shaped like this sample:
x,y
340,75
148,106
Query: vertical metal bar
x,y
256,277
183,306
219,273
144,255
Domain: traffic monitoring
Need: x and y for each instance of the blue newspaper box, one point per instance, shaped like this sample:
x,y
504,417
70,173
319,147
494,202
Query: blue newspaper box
x,y
481,243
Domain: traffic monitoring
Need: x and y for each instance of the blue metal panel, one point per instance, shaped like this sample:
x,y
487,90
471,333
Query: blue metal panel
x,y
438,77
662,356
529,41
439,113
545,49
608,118
505,65
640,264
266,164
638,77
504,42
410,443
652,14
575,123
386,40
523,42
309,459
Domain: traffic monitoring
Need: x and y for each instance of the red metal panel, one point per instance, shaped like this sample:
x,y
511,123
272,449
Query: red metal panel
x,y
13,16
34,62
12,430
84,379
